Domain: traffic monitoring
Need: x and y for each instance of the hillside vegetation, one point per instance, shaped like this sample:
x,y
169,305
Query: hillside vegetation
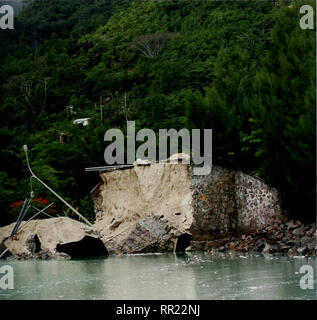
x,y
244,69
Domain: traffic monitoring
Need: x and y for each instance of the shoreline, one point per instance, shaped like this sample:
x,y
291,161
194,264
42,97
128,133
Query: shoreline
x,y
292,238
289,238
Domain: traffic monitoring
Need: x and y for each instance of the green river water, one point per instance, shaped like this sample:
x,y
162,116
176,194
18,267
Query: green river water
x,y
162,276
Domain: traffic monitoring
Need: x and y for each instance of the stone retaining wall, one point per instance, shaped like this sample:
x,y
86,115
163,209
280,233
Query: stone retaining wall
x,y
256,203
228,201
214,205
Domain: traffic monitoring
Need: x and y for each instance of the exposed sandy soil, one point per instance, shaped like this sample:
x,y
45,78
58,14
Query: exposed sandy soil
x,y
49,231
162,189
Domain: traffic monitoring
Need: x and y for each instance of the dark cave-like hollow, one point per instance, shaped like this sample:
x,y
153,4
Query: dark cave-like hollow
x,y
183,242
86,247
37,243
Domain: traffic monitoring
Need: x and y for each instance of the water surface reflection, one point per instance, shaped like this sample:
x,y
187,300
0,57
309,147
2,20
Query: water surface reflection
x,y
165,276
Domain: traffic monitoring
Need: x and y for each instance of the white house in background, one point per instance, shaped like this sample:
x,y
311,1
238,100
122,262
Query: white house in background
x,y
84,121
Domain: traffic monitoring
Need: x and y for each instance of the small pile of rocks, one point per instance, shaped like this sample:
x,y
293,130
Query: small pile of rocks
x,y
42,255
292,238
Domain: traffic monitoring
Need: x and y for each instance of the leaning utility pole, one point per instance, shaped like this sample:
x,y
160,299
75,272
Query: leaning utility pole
x,y
25,147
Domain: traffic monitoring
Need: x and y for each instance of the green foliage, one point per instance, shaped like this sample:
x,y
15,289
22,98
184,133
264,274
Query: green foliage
x,y
242,68
285,123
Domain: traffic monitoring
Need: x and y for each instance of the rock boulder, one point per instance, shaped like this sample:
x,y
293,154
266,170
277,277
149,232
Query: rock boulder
x,y
52,236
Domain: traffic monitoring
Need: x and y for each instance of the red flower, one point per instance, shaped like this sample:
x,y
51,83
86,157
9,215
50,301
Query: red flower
x,y
41,200
17,203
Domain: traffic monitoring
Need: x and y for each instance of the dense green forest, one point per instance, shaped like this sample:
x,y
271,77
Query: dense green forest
x,y
242,68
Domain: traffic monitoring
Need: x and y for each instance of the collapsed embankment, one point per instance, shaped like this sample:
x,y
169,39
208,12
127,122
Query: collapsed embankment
x,y
145,208
57,238
164,207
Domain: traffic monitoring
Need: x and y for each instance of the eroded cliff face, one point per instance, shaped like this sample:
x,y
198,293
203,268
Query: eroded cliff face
x,y
128,199
153,208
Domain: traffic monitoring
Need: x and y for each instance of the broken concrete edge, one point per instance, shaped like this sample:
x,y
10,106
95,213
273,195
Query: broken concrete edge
x,y
152,234
176,158
54,238
29,244
292,238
